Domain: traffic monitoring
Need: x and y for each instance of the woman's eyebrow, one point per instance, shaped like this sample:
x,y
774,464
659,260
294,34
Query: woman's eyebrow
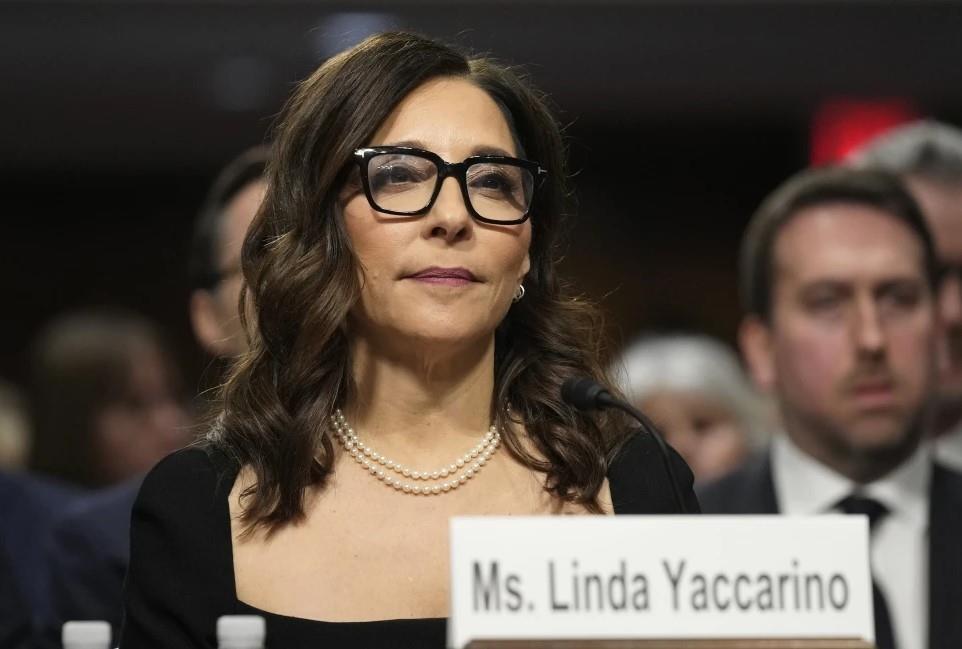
x,y
411,144
480,149
491,150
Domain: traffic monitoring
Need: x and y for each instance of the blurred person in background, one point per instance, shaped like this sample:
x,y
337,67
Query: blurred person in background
x,y
14,430
927,155
105,405
214,266
89,548
839,278
105,398
694,389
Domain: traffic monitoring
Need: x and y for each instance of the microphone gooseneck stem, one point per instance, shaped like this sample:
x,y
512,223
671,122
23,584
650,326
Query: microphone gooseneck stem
x,y
604,399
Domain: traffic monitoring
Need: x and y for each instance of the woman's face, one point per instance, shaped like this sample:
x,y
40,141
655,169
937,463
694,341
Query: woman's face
x,y
145,423
441,277
703,430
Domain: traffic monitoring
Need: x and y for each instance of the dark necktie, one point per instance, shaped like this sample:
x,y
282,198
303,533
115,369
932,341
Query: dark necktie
x,y
884,638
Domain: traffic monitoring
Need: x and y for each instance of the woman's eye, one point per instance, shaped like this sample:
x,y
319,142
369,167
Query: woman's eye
x,y
401,175
394,175
493,182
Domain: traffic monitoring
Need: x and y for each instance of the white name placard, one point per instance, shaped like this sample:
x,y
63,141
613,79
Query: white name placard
x,y
633,577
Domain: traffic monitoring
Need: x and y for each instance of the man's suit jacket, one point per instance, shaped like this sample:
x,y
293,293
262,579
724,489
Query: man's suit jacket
x,y
15,625
751,490
88,552
28,506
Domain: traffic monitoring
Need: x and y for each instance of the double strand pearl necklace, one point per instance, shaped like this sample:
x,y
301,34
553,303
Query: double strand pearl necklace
x,y
387,471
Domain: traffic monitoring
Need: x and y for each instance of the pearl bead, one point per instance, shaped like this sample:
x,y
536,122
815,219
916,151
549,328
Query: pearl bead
x,y
435,489
460,463
417,490
443,473
406,473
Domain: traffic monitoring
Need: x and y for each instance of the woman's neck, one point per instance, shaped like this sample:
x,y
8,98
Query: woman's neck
x,y
427,406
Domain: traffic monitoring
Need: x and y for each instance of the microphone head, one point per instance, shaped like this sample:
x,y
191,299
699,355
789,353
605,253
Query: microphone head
x,y
582,392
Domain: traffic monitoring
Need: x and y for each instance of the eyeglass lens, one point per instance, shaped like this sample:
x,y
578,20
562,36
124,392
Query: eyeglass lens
x,y
406,183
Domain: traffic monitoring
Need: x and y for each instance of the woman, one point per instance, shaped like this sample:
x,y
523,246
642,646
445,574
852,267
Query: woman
x,y
389,307
105,398
695,390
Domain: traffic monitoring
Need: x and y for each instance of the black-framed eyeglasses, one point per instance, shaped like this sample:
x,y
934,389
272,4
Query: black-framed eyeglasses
x,y
404,181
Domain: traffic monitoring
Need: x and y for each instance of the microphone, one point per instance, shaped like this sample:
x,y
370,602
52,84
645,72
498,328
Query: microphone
x,y
586,394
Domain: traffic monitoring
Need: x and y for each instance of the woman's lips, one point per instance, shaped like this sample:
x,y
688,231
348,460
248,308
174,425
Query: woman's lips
x,y
444,276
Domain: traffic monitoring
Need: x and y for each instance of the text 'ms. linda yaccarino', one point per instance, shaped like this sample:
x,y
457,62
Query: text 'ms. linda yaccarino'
x,y
571,590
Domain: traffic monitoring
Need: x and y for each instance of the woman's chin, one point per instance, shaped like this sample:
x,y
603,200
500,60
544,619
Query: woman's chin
x,y
441,339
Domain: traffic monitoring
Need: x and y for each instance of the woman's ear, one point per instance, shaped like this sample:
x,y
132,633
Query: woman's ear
x,y
755,341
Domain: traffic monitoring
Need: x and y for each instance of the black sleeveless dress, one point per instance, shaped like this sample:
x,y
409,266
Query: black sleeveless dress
x,y
181,574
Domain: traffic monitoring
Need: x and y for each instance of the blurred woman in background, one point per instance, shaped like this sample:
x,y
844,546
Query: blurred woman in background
x,y
695,390
105,399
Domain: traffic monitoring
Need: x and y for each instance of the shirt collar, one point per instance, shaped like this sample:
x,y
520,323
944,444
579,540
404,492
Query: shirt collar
x,y
803,485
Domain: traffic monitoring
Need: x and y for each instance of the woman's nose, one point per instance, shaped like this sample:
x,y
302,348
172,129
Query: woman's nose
x,y
449,217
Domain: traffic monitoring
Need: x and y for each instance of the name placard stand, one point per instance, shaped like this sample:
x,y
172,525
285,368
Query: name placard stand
x,y
701,643
672,582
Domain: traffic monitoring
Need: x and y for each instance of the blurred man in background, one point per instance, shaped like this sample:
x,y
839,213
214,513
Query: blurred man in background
x,y
927,156
694,389
839,278
89,548
215,259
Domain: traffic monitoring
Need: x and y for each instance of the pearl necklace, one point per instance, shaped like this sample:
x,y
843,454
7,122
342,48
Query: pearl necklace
x,y
382,468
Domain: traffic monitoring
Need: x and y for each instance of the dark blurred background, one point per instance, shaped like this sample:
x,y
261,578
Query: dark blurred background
x,y
681,116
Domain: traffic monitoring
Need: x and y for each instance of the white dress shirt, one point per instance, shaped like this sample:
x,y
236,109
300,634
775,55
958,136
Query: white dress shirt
x,y
900,541
948,449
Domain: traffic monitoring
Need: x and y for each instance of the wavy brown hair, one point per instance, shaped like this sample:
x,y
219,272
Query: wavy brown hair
x,y
302,281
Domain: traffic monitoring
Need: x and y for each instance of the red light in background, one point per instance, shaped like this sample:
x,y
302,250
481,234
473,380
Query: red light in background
x,y
840,126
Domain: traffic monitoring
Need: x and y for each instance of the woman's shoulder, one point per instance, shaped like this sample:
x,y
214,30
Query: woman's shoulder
x,y
180,542
195,478
639,480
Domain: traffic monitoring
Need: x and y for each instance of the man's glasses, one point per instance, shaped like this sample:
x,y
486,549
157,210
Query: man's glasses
x,y
404,181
